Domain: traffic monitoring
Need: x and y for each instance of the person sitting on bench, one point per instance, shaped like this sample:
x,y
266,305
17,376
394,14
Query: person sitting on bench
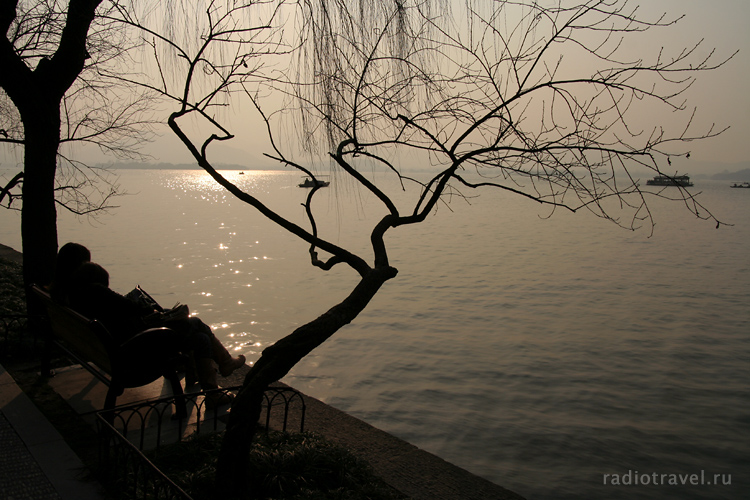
x,y
90,295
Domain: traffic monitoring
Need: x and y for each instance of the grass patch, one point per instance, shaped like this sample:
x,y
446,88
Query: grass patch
x,y
21,344
282,466
13,298
17,344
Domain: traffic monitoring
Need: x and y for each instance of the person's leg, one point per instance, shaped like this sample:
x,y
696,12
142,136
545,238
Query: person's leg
x,y
227,363
207,375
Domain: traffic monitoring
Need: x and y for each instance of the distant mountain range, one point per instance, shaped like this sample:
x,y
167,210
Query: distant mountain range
x,y
740,175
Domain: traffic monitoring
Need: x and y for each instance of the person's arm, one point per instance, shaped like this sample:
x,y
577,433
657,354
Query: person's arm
x,y
121,316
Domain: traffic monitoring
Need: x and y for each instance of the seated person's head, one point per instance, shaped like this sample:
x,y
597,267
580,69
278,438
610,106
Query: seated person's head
x,y
91,273
69,258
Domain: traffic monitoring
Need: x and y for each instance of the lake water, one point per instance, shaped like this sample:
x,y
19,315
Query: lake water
x,y
541,354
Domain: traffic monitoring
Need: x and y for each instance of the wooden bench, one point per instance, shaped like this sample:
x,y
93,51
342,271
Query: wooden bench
x,y
138,361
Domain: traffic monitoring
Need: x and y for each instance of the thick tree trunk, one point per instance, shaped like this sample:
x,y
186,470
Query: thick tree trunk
x,y
39,215
37,95
275,363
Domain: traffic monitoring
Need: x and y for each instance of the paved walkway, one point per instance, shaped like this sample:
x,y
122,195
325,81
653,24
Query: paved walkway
x,y
35,462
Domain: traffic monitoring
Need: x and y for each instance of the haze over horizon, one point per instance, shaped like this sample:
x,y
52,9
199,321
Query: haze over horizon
x,y
720,97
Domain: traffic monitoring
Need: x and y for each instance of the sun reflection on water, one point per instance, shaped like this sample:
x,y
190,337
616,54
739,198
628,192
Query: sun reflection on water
x,y
213,239
197,183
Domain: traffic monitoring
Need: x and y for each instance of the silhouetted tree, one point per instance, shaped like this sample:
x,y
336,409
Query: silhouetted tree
x,y
543,102
53,59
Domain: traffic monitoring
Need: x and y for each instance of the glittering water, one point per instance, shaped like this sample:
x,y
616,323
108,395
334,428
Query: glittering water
x,y
538,353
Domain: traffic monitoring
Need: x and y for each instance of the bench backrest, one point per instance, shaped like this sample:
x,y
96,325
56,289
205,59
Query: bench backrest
x,y
88,338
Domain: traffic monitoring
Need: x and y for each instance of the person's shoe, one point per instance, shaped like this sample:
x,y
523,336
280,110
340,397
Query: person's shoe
x,y
230,366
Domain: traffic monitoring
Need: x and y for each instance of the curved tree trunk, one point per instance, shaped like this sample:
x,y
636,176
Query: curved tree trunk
x,y
275,363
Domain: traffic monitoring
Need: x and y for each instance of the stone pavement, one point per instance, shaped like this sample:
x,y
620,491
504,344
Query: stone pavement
x,y
412,471
35,462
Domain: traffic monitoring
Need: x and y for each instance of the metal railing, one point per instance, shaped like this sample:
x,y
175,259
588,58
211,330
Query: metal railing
x,y
130,472
127,431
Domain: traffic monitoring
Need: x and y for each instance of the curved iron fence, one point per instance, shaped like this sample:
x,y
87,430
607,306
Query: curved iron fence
x,y
127,431
132,474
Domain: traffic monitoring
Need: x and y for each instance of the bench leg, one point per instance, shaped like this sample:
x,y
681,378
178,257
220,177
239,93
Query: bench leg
x,y
111,399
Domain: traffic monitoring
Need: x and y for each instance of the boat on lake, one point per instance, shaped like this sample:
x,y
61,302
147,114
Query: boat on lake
x,y
742,185
309,183
666,180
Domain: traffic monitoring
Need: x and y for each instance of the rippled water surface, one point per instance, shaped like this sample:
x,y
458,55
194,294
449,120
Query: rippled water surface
x,y
538,353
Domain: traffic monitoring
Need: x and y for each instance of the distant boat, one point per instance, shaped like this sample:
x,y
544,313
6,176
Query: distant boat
x,y
242,173
743,185
665,180
308,183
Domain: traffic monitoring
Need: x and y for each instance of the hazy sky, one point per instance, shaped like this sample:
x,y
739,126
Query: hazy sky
x,y
721,96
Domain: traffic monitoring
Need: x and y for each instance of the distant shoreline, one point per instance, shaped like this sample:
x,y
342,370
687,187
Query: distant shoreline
x,y
734,176
739,175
